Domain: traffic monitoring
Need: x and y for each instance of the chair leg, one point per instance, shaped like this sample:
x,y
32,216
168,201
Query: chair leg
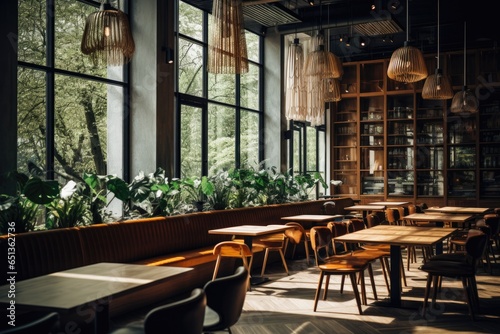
x,y
468,295
327,283
361,276
216,270
318,290
284,261
266,254
384,263
356,292
372,280
306,246
426,294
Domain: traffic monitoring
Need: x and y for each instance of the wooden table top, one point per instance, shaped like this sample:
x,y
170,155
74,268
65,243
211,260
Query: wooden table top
x,y
249,230
365,207
312,218
439,217
70,289
389,203
399,235
458,210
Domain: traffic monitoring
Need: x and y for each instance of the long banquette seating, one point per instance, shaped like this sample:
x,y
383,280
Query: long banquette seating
x,y
181,240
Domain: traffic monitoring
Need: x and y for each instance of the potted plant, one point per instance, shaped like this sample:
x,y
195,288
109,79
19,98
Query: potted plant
x,y
197,189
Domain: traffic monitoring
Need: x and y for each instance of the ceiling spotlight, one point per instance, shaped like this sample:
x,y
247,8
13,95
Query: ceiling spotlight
x,y
373,7
311,2
394,4
362,42
348,41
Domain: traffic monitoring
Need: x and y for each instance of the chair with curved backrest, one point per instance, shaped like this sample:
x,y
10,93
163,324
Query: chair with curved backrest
x,y
329,208
44,324
273,242
297,235
233,249
181,317
348,264
464,269
184,316
226,297
392,216
338,229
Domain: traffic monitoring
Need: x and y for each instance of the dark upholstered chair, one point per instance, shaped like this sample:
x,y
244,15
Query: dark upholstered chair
x,y
184,316
44,324
226,296
457,266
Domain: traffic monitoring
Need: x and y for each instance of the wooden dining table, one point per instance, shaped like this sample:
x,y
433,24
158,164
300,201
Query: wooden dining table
x,y
306,220
389,203
464,220
397,236
459,210
86,290
365,208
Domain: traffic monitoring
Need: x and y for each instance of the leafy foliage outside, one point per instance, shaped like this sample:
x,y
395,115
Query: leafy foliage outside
x,y
44,204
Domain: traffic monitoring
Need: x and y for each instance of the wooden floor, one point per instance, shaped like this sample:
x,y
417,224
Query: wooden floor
x,y
284,306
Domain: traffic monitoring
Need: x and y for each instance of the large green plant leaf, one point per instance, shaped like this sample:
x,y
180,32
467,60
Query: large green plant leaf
x,y
41,192
119,188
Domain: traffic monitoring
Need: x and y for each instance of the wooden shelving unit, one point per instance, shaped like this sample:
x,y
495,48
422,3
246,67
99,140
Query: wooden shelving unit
x,y
390,144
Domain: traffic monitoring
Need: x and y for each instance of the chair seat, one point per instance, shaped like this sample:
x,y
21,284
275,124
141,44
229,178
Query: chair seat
x,y
343,266
454,257
448,268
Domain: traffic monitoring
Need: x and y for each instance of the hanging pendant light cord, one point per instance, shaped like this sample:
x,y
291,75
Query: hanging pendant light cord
x,y
438,38
465,52
407,23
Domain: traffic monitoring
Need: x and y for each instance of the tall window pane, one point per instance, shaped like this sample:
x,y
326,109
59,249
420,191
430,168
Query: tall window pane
x,y
68,38
32,41
221,138
250,88
80,126
31,129
190,70
190,21
252,46
249,145
221,88
191,129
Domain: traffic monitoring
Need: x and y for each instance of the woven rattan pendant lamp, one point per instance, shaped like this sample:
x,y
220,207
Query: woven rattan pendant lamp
x,y
437,86
407,63
296,95
227,47
107,37
464,101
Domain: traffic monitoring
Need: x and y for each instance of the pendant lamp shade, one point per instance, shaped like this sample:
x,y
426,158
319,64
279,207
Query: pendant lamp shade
x,y
227,47
296,95
407,63
320,66
332,90
107,37
464,101
437,86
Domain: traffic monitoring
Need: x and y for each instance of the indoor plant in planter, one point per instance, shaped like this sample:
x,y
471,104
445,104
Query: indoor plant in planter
x,y
197,189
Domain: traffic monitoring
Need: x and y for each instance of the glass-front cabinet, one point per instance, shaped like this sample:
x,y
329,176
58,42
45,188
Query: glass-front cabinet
x,y
400,145
489,139
429,157
390,143
345,131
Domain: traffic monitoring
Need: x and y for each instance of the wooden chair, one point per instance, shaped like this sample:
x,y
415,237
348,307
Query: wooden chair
x,y
392,216
274,242
351,264
464,269
295,236
233,249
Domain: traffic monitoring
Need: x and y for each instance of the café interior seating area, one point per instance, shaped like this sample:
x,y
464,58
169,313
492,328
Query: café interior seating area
x,y
249,166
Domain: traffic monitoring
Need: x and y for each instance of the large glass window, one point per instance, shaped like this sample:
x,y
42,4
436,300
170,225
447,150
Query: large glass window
x,y
223,130
67,106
